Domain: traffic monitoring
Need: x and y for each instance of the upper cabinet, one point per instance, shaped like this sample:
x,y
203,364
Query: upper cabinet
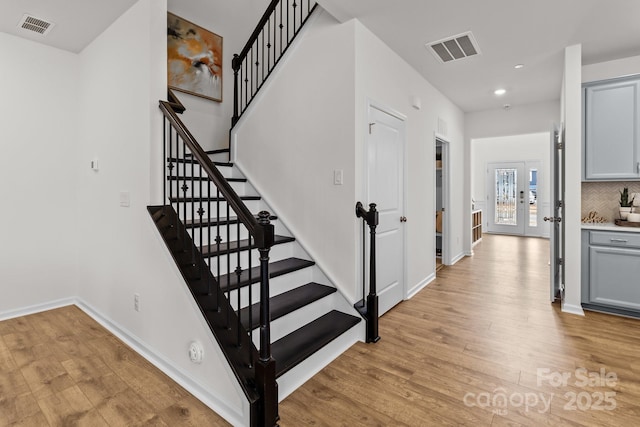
x,y
611,118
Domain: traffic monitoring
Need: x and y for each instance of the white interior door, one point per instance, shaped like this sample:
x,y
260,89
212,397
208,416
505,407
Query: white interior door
x,y
385,185
507,194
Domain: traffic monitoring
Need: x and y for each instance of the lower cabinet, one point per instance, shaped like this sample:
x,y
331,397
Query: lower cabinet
x,y
611,271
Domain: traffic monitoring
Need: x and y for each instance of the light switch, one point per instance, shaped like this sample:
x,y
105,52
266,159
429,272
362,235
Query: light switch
x,y
94,164
125,199
338,176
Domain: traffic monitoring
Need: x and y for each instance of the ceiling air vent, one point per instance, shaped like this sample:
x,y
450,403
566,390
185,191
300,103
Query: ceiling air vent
x,y
454,48
37,25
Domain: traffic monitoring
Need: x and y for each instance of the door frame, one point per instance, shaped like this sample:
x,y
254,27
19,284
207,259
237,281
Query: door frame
x,y
446,198
369,105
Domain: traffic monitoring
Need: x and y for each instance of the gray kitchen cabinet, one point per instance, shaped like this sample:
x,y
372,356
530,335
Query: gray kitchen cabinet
x,y
611,134
611,271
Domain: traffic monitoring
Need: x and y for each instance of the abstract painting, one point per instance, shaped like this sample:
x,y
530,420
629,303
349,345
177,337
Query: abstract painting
x,y
194,59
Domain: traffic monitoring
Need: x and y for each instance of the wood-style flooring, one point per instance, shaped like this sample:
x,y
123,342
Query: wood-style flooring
x,y
482,332
61,368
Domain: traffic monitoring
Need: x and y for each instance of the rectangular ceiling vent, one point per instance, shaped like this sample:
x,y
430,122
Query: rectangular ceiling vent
x,y
454,48
37,25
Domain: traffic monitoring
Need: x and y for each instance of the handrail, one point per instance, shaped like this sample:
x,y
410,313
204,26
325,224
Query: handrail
x,y
258,29
215,239
244,215
368,307
272,37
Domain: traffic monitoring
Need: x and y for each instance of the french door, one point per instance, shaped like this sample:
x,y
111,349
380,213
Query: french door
x,y
512,193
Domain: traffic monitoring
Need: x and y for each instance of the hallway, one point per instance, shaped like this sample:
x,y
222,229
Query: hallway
x,y
484,329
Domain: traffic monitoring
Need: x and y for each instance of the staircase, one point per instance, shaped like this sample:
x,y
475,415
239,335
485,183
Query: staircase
x,y
223,265
275,315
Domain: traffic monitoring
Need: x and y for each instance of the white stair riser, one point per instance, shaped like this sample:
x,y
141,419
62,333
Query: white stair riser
x,y
254,206
184,169
292,321
297,376
230,234
277,285
277,252
196,188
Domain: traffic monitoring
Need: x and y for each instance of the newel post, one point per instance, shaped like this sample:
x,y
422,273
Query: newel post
x,y
266,365
372,220
235,64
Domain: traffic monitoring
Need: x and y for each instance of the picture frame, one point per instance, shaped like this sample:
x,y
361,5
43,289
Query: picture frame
x,y
194,59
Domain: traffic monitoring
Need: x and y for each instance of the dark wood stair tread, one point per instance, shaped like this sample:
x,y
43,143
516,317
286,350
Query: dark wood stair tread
x,y
235,246
286,303
294,348
207,199
277,268
202,178
214,222
218,151
191,160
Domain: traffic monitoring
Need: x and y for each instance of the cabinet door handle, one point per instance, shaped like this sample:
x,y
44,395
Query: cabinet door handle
x,y
619,240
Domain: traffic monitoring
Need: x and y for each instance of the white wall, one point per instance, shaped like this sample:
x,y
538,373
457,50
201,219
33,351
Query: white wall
x,y
572,118
387,80
123,75
290,151
38,254
296,133
611,69
210,121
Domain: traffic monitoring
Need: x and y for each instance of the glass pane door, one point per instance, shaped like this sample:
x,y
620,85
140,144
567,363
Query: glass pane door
x,y
507,198
506,204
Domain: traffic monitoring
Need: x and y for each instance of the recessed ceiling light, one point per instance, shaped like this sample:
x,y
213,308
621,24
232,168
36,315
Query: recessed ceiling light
x,y
500,92
518,66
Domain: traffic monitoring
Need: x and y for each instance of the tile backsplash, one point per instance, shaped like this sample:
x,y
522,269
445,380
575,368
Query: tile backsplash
x,y
603,197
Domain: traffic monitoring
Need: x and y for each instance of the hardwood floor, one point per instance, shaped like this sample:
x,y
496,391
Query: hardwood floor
x,y
61,368
483,330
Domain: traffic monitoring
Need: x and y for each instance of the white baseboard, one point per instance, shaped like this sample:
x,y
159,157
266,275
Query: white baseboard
x,y
188,383
457,258
37,308
420,286
165,365
572,309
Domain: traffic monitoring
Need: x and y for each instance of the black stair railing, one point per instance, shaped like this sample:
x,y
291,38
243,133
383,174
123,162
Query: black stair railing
x,y
271,38
218,219
368,306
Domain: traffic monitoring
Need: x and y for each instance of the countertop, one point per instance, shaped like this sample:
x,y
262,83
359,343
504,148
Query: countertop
x,y
609,226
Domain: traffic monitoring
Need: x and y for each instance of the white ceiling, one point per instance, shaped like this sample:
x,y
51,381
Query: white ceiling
x,y
509,32
78,22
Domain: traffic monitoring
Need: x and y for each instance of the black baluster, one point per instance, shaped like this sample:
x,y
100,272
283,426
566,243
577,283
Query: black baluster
x,y
250,331
218,239
281,27
263,49
201,212
257,63
238,275
164,159
193,203
210,275
228,256
294,5
268,45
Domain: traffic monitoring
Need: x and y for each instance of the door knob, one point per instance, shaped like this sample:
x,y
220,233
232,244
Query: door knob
x,y
403,219
552,219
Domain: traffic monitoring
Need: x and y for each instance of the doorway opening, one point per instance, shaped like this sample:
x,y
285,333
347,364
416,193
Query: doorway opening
x,y
442,203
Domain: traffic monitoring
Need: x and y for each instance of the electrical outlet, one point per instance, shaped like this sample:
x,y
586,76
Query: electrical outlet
x,y
136,302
